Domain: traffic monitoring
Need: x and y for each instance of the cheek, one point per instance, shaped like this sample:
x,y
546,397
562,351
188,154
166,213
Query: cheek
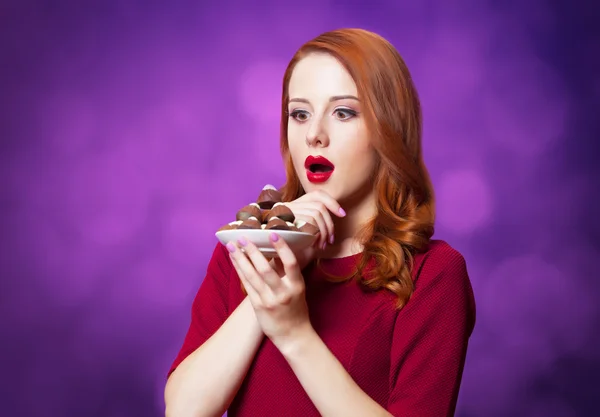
x,y
357,144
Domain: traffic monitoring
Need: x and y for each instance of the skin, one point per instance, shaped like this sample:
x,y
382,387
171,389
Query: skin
x,y
325,119
332,127
204,384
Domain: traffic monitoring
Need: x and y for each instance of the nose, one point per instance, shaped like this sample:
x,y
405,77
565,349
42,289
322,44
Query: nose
x,y
317,133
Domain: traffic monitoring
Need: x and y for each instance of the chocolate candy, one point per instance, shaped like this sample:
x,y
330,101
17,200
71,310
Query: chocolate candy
x,y
268,197
230,226
281,211
269,213
308,228
277,224
292,227
251,223
251,210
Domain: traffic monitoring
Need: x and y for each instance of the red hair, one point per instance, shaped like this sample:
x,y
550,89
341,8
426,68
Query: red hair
x,y
405,201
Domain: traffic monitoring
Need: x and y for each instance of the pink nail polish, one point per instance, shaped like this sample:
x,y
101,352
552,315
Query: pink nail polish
x,y
242,241
331,239
342,211
274,237
230,247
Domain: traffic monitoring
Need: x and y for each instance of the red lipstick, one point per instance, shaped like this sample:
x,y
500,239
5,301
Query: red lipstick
x,y
318,168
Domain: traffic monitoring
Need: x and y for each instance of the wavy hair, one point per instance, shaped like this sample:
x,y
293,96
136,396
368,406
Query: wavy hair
x,y
405,216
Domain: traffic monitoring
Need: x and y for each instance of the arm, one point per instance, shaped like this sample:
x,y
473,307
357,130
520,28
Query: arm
x,y
427,358
277,294
430,341
217,351
329,386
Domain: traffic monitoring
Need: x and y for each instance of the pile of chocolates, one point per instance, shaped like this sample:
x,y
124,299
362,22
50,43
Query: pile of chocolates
x,y
269,213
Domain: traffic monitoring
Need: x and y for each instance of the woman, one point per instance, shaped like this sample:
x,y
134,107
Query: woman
x,y
307,340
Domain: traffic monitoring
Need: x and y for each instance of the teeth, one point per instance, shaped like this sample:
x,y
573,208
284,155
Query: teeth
x,y
269,187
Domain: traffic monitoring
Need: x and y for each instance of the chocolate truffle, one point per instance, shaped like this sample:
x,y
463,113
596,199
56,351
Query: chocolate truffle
x,y
251,210
230,226
306,227
268,197
292,227
281,211
265,215
251,223
277,224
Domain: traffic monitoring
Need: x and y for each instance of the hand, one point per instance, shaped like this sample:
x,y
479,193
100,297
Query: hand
x,y
276,290
315,208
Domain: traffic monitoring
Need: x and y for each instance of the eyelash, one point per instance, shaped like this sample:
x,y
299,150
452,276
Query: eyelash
x,y
351,113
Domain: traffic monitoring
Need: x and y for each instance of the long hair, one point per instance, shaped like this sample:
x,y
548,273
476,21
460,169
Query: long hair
x,y
405,216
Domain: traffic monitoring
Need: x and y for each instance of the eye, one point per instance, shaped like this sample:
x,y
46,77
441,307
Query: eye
x,y
300,115
344,114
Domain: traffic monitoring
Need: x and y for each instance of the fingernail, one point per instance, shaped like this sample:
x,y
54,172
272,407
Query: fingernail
x,y
230,247
331,239
324,245
242,241
274,237
342,211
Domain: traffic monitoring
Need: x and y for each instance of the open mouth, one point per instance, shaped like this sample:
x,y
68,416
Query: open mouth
x,y
319,168
318,164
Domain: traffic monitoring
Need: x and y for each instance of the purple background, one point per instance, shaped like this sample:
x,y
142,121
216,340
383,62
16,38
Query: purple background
x,y
131,130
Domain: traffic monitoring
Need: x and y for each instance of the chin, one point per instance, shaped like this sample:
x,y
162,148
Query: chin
x,y
328,187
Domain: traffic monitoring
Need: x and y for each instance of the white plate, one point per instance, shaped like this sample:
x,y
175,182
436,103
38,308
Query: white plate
x,y
295,240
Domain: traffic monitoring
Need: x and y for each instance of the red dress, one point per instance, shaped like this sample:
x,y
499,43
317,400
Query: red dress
x,y
409,361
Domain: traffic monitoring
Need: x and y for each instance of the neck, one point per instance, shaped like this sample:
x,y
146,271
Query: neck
x,y
358,212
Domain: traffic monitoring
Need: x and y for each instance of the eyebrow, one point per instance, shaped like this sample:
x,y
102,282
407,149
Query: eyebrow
x,y
331,99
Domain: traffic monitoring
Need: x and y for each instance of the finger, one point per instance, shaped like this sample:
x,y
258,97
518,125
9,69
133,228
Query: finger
x,y
247,269
278,266
252,294
324,197
317,205
288,259
261,265
314,216
326,231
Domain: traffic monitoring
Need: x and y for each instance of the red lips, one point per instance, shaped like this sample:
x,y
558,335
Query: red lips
x,y
318,168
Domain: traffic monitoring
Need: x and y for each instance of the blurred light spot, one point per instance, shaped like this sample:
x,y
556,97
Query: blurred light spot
x,y
464,201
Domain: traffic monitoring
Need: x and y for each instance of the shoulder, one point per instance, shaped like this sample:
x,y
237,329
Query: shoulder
x,y
220,256
442,284
439,261
219,266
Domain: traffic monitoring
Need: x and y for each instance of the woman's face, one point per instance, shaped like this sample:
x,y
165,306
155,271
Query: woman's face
x,y
325,120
